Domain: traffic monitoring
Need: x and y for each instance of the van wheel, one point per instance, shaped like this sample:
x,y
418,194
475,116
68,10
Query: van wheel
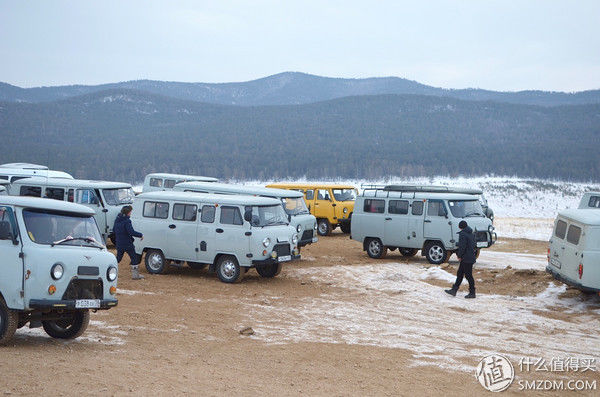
x,y
196,265
229,270
9,321
155,262
435,253
345,228
376,249
68,328
408,252
323,227
269,271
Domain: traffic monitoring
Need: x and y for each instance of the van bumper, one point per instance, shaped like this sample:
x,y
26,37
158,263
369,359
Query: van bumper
x,y
570,282
271,261
302,243
44,304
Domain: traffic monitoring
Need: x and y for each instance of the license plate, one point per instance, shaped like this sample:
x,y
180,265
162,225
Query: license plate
x,y
285,258
482,244
87,303
555,263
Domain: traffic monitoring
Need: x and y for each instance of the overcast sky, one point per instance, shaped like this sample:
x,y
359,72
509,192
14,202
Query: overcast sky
x,y
500,45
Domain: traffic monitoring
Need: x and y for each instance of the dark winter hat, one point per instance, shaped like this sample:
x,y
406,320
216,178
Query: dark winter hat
x,y
462,224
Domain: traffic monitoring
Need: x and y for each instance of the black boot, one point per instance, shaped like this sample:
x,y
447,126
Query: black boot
x,y
451,291
471,294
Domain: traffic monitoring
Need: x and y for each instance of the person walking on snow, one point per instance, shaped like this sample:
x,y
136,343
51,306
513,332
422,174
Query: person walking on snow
x,y
124,234
467,256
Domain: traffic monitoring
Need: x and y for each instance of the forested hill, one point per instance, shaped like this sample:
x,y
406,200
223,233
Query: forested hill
x,y
295,88
124,134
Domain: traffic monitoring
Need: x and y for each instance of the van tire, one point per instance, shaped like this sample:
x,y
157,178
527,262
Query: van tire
x,y
155,262
323,227
436,253
375,248
346,228
196,265
408,252
269,271
9,322
229,270
68,328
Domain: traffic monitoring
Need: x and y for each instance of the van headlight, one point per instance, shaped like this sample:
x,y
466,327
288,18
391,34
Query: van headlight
x,y
490,228
57,271
298,228
315,226
345,210
266,242
111,273
295,239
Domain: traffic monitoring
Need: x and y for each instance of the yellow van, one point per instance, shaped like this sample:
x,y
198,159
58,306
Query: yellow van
x,y
331,204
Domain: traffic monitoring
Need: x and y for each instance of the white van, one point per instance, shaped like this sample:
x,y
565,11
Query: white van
x,y
105,198
14,171
293,204
590,200
574,250
231,233
395,217
54,267
161,181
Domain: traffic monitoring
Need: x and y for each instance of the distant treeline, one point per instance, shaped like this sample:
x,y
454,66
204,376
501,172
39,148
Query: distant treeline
x,y
123,134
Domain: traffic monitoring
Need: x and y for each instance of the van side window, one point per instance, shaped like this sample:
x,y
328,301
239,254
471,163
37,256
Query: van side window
x,y
374,206
208,214
323,194
16,178
8,221
398,207
184,212
574,234
55,193
169,183
435,208
155,182
71,196
561,229
154,209
231,216
31,191
87,196
310,194
594,202
417,208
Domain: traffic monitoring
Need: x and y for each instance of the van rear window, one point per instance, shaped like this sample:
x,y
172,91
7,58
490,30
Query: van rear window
x,y
156,182
31,191
374,206
154,209
398,207
574,234
169,183
231,216
561,229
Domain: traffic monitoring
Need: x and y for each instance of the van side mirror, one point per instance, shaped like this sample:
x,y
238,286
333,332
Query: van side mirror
x,y
248,216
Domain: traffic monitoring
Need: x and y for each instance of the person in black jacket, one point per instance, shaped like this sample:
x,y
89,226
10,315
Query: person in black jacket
x,y
124,234
467,256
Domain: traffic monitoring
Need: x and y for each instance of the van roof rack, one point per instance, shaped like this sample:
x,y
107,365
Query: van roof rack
x,y
421,188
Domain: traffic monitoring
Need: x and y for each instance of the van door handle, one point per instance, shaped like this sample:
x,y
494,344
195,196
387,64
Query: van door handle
x,y
219,230
388,219
427,221
172,226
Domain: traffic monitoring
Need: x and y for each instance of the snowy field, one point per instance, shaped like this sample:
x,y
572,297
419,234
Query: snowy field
x,y
524,208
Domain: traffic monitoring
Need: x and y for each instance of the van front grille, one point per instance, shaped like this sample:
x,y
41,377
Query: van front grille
x,y
307,235
84,289
282,249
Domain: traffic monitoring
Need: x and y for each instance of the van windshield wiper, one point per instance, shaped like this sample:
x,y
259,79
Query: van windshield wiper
x,y
86,239
474,214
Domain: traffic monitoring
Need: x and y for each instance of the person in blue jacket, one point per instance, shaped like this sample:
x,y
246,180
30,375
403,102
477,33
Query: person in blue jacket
x,y
124,234
467,255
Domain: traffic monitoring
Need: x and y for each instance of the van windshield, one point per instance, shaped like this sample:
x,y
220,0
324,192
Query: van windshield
x,y
344,194
271,215
294,206
48,228
118,196
464,208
